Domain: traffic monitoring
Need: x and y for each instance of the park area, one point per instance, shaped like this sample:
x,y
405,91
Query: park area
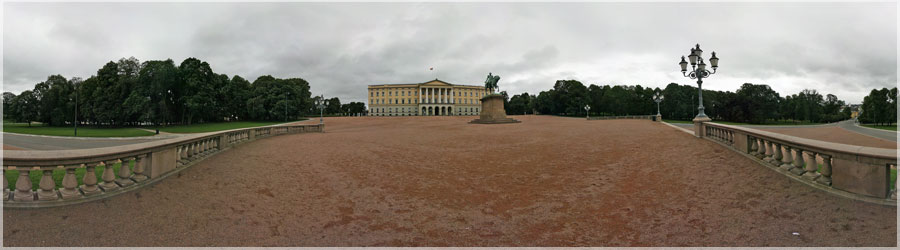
x,y
438,181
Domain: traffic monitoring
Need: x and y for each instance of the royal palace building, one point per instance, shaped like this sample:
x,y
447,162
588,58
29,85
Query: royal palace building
x,y
430,98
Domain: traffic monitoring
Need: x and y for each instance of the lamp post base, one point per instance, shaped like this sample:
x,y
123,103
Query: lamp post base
x,y
698,125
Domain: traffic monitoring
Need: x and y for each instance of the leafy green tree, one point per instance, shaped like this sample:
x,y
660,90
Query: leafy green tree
x,y
25,107
8,98
159,81
334,106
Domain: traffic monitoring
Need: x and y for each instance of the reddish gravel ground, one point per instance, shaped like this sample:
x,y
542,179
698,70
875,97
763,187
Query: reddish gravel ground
x,y
835,134
7,147
418,181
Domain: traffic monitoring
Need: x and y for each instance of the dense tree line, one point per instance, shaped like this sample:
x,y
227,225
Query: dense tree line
x,y
879,107
751,103
129,92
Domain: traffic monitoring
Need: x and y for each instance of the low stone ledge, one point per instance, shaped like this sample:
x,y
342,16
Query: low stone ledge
x,y
153,161
857,172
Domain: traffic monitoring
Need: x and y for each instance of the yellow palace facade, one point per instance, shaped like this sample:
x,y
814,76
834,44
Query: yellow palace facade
x,y
432,98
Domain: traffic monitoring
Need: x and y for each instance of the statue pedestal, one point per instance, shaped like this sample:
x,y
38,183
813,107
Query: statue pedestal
x,y
492,111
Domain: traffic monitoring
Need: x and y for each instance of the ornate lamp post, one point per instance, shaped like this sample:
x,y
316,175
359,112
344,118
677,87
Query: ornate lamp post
x,y
321,103
699,71
587,109
658,97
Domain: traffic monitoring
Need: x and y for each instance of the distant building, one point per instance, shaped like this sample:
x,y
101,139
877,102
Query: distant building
x,y
432,98
854,110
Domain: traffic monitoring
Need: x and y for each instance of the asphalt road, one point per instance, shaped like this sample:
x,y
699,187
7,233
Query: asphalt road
x,y
30,142
877,133
848,125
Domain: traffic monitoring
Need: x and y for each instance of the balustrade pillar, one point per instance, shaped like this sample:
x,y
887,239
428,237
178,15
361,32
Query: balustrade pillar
x,y
109,178
798,163
825,178
811,166
754,147
23,186
762,149
89,186
190,151
769,152
124,179
787,160
47,187
5,186
140,164
776,158
69,189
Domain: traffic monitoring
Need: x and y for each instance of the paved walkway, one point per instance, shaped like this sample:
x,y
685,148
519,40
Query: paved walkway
x,y
438,181
847,125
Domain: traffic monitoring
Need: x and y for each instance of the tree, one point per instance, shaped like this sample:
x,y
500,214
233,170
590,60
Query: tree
x,y
334,106
8,98
159,80
25,107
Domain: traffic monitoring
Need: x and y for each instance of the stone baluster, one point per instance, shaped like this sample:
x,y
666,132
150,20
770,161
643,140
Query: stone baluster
x,y
762,149
204,147
178,161
769,151
23,186
812,166
183,159
195,148
140,164
109,177
89,186
190,152
776,158
825,178
787,159
798,162
47,187
5,186
69,189
124,179
754,147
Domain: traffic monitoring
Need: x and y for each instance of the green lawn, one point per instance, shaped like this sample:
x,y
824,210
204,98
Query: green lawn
x,y
58,175
678,121
38,129
216,126
891,128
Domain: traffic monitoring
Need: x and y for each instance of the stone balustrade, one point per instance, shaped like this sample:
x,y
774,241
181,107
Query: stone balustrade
x,y
852,171
138,165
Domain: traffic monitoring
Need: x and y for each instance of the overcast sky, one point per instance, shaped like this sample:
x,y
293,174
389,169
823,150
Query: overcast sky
x,y
841,48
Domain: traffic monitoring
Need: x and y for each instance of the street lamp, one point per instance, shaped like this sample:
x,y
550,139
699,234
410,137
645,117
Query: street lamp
x,y
76,109
658,97
321,103
699,71
587,109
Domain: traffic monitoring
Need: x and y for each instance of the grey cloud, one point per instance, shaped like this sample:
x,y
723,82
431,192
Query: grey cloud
x,y
840,48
